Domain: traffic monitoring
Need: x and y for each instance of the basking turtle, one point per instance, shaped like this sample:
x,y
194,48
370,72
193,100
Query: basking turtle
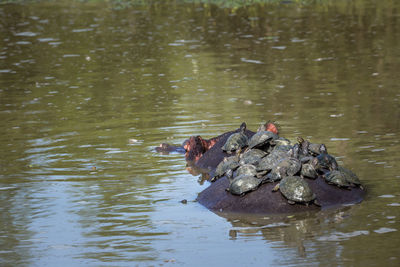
x,y
281,141
252,156
350,176
316,149
267,163
242,184
308,171
262,138
229,163
296,190
286,167
337,178
246,169
236,141
324,161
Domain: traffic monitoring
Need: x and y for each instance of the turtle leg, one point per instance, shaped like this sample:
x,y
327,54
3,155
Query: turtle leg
x,y
276,188
316,203
291,202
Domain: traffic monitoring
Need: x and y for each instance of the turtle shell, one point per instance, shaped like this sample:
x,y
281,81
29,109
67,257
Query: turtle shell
x,y
246,169
243,184
269,162
296,189
229,163
262,138
308,170
281,141
235,141
350,176
337,178
252,156
325,161
288,166
316,149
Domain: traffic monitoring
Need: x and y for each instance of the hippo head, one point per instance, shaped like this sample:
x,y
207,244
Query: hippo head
x,y
195,148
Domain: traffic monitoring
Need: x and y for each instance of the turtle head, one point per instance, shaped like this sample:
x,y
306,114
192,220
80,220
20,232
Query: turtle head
x,y
323,149
243,127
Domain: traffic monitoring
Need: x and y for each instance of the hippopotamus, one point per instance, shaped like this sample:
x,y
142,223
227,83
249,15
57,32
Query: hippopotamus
x,y
205,155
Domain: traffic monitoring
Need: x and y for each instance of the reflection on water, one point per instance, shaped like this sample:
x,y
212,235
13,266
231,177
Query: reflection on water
x,y
87,90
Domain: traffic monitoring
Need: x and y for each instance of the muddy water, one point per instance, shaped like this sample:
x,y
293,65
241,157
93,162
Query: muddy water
x,y
88,89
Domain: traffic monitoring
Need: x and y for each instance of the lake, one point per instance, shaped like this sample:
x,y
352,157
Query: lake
x,y
89,88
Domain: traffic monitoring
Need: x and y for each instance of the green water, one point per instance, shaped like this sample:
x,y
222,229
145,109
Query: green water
x,y
87,89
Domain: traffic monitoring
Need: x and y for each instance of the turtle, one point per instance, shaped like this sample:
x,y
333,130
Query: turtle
x,y
236,141
247,169
350,176
296,190
311,149
242,184
262,138
308,171
338,178
252,156
285,148
267,163
286,167
316,149
228,163
324,161
281,141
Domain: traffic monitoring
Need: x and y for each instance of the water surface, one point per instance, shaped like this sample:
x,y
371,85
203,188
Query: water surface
x,y
88,89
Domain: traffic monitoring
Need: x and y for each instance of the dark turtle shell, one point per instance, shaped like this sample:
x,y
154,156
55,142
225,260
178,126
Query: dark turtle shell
x,y
296,190
246,169
236,141
269,162
286,167
350,176
243,184
325,161
308,171
229,163
252,156
337,178
316,149
281,141
261,139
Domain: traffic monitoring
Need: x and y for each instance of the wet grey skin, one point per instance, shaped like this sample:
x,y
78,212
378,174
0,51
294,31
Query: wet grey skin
x,y
252,156
229,163
262,138
243,184
236,141
296,190
337,178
